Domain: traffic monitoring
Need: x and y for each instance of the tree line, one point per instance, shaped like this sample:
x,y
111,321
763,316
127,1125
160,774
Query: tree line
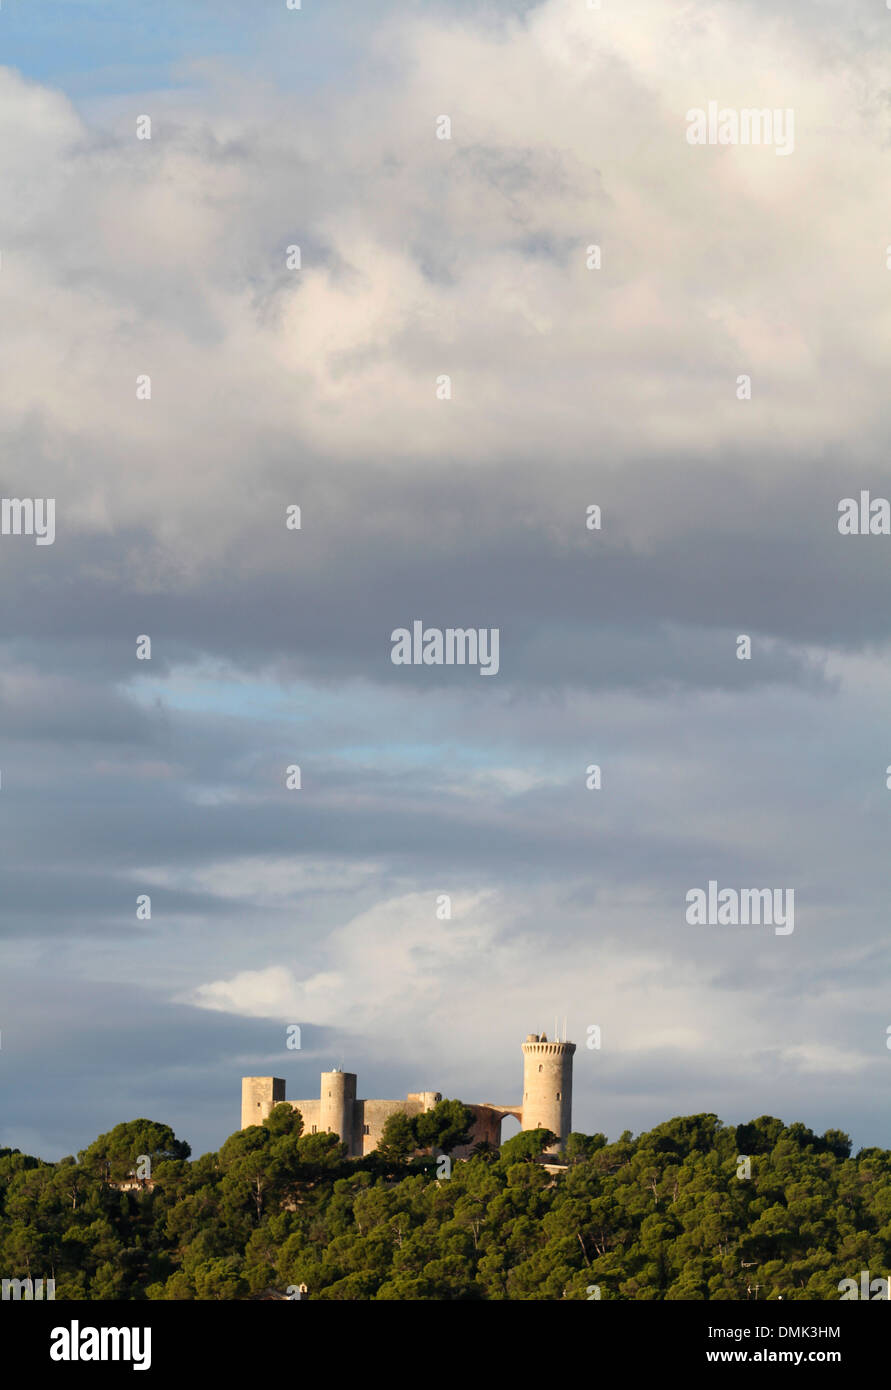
x,y
692,1209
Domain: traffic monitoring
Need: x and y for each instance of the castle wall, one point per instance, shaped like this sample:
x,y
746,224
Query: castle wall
x,y
311,1112
487,1125
372,1115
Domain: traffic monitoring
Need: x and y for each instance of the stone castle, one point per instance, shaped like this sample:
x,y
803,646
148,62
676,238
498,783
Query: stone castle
x,y
547,1103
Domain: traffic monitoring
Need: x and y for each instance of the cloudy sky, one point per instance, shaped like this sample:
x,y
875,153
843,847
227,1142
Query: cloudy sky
x,y
271,386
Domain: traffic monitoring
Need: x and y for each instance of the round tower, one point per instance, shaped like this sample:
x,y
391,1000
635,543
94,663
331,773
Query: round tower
x,y
547,1086
338,1103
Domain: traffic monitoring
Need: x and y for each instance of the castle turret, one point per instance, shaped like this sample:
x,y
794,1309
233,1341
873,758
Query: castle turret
x,y
338,1105
547,1086
428,1100
258,1095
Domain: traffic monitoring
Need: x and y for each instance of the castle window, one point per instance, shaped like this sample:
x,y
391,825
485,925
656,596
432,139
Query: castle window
x,y
539,1066
366,1129
558,1095
313,1129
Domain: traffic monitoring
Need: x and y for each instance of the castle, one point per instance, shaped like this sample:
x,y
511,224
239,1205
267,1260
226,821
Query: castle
x,y
547,1103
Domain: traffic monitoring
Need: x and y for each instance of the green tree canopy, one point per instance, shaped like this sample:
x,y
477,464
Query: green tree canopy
x,y
526,1146
445,1127
116,1153
670,1214
398,1138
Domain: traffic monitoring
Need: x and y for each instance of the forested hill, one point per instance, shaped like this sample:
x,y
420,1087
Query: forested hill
x,y
670,1214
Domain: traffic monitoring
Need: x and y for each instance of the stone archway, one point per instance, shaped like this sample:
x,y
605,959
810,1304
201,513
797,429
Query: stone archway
x,y
489,1119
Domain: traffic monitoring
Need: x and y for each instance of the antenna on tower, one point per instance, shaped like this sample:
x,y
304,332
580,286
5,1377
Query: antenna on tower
x,y
556,1030
564,1028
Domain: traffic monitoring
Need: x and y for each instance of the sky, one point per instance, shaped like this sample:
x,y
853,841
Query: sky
x,y
320,386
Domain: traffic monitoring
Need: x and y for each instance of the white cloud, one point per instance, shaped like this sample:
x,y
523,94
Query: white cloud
x,y
269,993
822,1059
167,257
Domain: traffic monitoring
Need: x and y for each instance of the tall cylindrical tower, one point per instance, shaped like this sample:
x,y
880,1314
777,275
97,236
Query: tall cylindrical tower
x,y
338,1103
547,1086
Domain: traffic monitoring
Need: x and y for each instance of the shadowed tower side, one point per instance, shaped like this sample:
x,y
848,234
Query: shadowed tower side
x,y
547,1087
